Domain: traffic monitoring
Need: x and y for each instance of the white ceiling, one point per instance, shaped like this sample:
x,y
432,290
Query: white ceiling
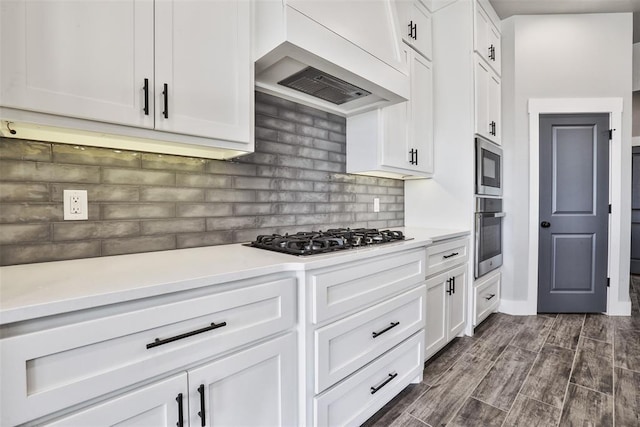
x,y
507,8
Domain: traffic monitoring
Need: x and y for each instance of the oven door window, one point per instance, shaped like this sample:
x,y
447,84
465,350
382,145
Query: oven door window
x,y
490,169
490,237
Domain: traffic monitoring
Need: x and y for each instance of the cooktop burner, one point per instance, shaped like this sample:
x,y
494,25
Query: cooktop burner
x,y
319,242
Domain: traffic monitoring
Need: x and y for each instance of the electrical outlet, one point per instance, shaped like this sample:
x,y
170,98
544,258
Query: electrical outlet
x,y
75,205
376,204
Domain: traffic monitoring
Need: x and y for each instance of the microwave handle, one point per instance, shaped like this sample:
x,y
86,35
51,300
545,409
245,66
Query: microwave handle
x,y
491,214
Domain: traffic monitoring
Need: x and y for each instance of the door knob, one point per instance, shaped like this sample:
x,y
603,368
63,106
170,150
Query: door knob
x,y
545,224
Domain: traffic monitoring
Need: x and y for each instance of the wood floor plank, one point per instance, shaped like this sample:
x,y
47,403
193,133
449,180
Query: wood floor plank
x,y
529,412
441,402
549,375
444,359
584,407
491,345
593,367
394,409
566,331
534,333
599,327
495,321
501,385
405,420
627,349
627,397
476,413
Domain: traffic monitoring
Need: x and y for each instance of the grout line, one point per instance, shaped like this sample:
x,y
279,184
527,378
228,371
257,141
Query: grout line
x,y
613,377
417,419
573,365
487,403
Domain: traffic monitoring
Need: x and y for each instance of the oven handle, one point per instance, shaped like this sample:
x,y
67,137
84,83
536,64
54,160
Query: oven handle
x,y
491,214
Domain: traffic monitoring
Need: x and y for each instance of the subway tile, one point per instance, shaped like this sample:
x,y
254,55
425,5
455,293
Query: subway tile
x,y
140,211
330,207
396,191
76,230
249,234
23,192
352,179
373,189
395,223
169,226
276,101
356,207
76,154
138,244
137,177
192,210
164,194
312,219
267,134
322,186
231,168
99,192
276,220
297,117
192,240
276,148
11,170
328,166
342,198
311,131
336,157
313,153
294,185
203,181
44,252
254,183
312,111
338,137
366,180
295,139
295,162
281,172
366,216
330,125
253,208
275,123
230,196
175,163
311,197
232,223
20,233
342,219
23,149
262,108
23,212
259,159
275,196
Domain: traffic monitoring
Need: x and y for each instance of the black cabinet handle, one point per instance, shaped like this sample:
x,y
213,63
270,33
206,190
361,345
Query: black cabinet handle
x,y
375,389
416,156
452,254
165,92
449,289
146,97
492,128
545,224
202,414
453,282
411,29
391,326
412,152
158,341
489,297
180,422
415,31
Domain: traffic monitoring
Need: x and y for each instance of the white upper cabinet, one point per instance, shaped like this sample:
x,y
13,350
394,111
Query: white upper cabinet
x,y
488,110
181,67
415,25
86,60
487,38
202,56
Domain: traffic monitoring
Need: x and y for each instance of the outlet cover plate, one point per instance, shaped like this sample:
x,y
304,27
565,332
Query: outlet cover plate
x,y
75,205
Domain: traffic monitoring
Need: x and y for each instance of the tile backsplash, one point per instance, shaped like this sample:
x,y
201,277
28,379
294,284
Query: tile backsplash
x,y
141,202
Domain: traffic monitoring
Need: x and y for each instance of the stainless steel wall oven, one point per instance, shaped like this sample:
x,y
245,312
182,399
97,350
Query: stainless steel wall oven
x,y
488,230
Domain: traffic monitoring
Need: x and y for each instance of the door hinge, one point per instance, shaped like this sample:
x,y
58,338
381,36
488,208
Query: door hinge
x,y
608,282
611,134
609,208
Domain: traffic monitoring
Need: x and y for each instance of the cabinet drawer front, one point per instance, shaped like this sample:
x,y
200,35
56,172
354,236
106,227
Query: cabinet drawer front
x,y
52,369
442,256
486,295
346,345
351,402
340,290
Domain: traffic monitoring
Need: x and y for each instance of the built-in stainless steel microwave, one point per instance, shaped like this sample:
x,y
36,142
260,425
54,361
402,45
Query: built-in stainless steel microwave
x,y
488,168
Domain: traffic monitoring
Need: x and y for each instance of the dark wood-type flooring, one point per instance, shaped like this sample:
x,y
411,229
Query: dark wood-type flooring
x,y
545,370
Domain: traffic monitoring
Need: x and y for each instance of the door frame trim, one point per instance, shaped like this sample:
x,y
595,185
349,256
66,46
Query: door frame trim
x,y
612,106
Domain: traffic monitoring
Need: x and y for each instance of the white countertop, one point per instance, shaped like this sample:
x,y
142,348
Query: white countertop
x,y
30,291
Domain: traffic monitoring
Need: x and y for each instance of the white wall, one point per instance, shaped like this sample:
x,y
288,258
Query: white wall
x,y
560,56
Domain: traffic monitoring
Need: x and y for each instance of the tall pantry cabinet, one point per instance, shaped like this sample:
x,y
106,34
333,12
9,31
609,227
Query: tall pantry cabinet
x,y
467,97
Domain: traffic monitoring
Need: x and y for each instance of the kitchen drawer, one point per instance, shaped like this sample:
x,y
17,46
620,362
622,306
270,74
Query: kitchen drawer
x,y
52,369
347,287
442,256
486,294
348,344
354,400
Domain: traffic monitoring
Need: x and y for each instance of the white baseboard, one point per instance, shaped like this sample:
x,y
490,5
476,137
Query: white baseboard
x,y
515,307
620,309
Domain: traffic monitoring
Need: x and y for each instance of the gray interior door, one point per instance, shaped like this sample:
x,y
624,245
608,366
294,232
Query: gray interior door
x,y
574,213
635,213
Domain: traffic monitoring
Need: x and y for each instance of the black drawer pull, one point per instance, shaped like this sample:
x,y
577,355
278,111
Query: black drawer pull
x,y
158,341
180,422
374,390
146,97
450,255
165,92
202,414
391,326
489,297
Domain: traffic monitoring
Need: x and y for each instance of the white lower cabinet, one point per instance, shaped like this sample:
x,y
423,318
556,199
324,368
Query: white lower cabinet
x,y
486,297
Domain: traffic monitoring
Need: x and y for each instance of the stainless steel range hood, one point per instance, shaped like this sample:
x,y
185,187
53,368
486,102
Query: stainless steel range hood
x,y
317,64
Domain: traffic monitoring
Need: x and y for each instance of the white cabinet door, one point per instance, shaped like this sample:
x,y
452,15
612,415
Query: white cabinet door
x,y
415,25
254,387
395,150
456,301
488,101
203,68
436,315
159,404
487,39
421,119
495,44
86,60
494,106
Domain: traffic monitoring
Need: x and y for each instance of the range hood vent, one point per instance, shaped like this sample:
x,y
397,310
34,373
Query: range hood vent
x,y
324,86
